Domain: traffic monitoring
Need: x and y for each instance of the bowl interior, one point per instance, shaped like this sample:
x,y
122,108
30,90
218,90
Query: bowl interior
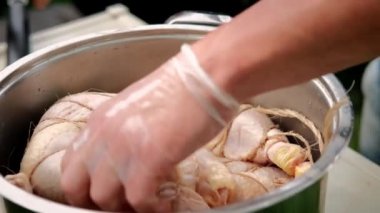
x,y
110,62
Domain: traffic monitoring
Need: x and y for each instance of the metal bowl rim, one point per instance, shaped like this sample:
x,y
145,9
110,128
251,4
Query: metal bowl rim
x,y
339,141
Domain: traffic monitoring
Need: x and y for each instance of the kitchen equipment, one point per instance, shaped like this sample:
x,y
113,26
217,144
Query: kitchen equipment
x,y
110,61
17,30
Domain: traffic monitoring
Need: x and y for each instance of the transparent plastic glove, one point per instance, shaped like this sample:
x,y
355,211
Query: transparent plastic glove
x,y
133,141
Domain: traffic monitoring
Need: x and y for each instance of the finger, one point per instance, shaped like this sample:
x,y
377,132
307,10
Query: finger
x,y
75,145
66,158
142,194
106,190
75,181
126,169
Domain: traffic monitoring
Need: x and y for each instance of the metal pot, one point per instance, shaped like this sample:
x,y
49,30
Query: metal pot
x,y
110,61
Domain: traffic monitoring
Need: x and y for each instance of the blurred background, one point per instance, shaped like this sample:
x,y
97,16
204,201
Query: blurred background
x,y
153,12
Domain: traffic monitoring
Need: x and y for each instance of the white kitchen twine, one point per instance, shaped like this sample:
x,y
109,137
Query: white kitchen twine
x,y
197,72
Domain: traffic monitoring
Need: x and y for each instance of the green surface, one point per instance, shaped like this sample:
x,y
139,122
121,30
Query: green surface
x,y
305,201
13,208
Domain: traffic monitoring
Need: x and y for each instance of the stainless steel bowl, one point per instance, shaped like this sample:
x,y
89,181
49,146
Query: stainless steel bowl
x,y
112,60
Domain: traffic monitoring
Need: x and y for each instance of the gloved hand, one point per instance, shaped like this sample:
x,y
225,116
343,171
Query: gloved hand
x,y
133,141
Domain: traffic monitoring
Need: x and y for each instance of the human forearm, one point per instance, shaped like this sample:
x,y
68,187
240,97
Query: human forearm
x,y
278,43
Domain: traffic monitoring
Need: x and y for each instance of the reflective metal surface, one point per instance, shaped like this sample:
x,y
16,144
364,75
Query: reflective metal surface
x,y
198,18
111,61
